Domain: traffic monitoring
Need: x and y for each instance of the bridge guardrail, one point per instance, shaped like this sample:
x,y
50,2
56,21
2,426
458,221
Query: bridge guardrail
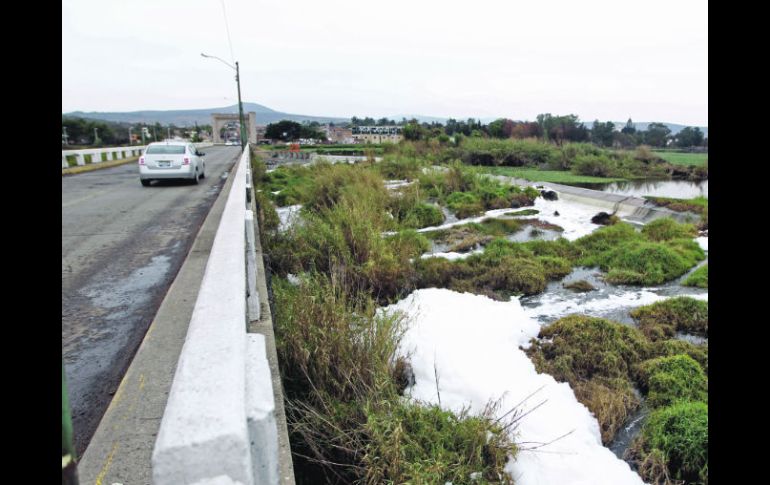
x,y
219,421
98,155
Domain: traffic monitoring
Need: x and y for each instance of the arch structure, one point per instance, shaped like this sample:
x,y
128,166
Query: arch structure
x,y
218,120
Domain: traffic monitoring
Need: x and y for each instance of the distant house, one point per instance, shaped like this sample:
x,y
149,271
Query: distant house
x,y
377,134
335,134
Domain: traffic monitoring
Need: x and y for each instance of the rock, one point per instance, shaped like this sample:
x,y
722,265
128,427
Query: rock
x,y
603,219
549,195
579,286
556,213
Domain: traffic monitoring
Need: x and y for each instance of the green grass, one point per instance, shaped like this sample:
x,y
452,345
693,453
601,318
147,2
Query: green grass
x,y
684,159
664,318
698,278
673,445
596,356
698,205
668,380
555,176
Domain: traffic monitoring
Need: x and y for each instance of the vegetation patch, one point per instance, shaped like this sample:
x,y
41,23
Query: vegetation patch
x,y
649,263
666,229
597,357
667,380
671,347
554,176
426,444
663,319
697,205
699,278
673,445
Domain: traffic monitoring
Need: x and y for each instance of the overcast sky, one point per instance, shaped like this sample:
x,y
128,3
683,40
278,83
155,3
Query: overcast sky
x,y
606,59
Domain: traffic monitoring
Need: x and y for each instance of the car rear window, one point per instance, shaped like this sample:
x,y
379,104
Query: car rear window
x,y
165,149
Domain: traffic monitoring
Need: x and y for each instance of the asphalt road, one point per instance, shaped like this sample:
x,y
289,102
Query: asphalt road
x,y
122,246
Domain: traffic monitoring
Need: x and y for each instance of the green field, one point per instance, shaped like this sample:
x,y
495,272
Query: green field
x,y
686,159
555,176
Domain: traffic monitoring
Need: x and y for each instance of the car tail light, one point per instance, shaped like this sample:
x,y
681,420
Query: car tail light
x,y
186,161
141,160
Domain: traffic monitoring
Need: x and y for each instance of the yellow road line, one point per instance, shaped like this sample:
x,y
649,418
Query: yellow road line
x,y
106,466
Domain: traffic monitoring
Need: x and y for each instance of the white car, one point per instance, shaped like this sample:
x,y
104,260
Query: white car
x,y
171,160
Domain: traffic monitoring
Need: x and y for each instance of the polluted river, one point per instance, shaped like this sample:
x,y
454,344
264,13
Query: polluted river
x,y
468,350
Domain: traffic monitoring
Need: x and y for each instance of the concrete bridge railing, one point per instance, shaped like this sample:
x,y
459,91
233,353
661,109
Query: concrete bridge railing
x,y
219,425
98,155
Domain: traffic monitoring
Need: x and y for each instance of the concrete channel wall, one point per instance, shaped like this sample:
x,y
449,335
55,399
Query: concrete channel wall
x,y
113,153
219,425
632,209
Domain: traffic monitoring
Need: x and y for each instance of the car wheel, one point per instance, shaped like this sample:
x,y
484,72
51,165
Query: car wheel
x,y
195,179
145,182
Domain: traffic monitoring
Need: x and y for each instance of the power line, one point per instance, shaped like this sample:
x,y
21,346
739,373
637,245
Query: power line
x,y
227,27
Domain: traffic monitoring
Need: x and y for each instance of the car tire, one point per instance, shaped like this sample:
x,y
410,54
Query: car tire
x,y
195,179
145,182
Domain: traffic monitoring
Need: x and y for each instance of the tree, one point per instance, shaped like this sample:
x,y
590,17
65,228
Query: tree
x,y
602,133
689,137
629,129
561,128
657,134
284,130
500,128
413,131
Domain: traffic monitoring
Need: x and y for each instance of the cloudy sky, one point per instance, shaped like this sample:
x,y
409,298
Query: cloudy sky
x,y
606,59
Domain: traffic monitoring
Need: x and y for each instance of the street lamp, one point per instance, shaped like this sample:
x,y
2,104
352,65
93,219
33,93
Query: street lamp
x,y
240,105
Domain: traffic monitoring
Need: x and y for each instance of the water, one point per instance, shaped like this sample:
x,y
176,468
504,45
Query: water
x,y
678,189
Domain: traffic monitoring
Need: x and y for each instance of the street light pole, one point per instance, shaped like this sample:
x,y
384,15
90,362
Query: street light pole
x,y
240,104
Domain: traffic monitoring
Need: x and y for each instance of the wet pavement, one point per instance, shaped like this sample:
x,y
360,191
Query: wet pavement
x,y
122,246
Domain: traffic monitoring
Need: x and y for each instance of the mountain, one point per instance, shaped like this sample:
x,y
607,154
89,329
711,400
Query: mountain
x,y
189,117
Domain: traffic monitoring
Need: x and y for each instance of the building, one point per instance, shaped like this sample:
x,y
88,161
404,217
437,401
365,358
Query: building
x,y
377,134
336,134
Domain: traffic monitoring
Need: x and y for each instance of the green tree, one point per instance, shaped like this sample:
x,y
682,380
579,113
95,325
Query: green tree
x,y
689,137
657,134
602,133
413,131
285,130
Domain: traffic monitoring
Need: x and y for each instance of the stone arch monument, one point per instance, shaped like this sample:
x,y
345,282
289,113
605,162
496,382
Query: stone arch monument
x,y
218,120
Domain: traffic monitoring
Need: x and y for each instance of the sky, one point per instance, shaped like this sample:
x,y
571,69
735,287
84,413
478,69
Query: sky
x,y
598,59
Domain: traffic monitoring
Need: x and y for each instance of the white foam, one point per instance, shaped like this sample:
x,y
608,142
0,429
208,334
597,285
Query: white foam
x,y
473,342
287,215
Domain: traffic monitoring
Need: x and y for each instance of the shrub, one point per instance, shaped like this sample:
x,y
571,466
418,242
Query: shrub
x,y
664,318
595,166
671,379
423,215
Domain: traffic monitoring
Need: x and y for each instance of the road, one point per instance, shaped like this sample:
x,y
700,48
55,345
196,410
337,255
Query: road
x,y
122,246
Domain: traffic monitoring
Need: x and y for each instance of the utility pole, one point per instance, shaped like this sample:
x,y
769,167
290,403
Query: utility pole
x,y
96,136
168,128
65,136
130,142
240,106
144,131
